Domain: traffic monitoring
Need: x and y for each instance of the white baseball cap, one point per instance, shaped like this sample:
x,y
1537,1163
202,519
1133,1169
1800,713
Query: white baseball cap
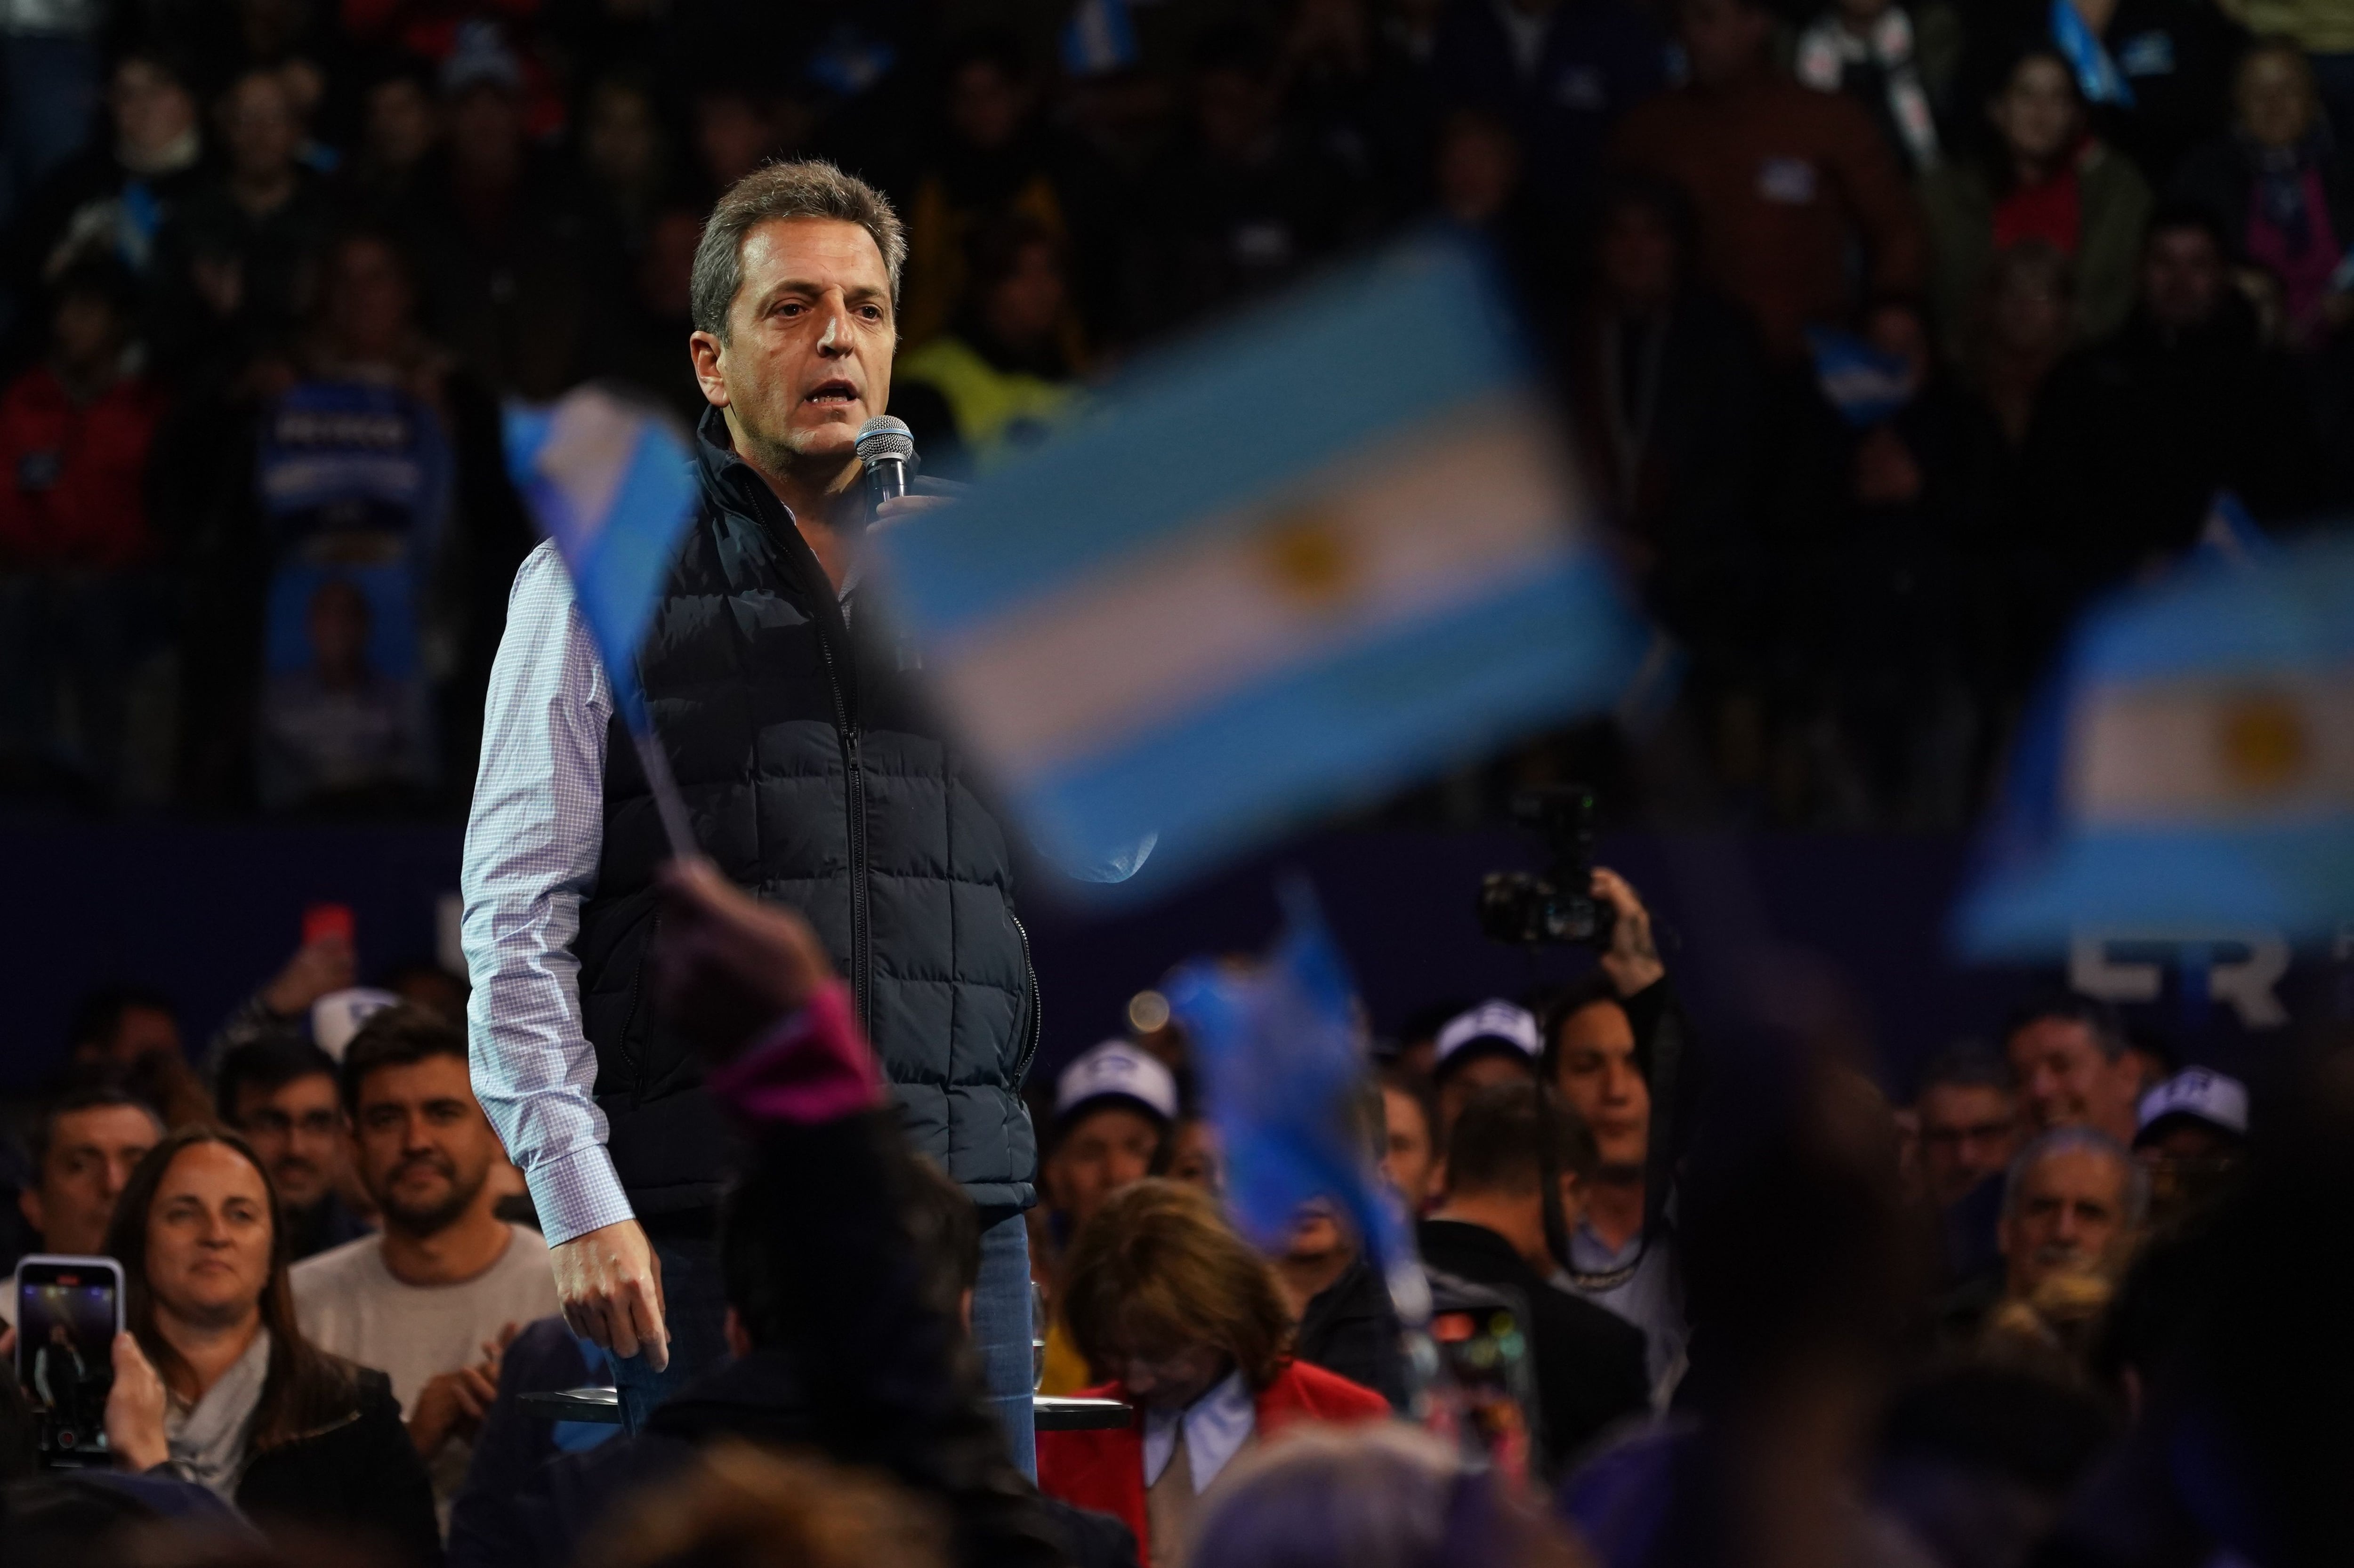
x,y
1491,1021
337,1016
2200,1094
1117,1070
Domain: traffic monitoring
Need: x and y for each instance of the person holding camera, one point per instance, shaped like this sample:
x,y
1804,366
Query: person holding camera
x,y
1614,1051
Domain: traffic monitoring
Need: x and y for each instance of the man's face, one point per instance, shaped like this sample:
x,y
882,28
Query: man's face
x,y
1595,1073
1409,1156
1724,39
402,124
2181,277
152,111
91,1156
2066,1081
424,1148
985,108
810,335
297,1131
1969,1133
2071,1208
1103,1150
1487,1069
261,126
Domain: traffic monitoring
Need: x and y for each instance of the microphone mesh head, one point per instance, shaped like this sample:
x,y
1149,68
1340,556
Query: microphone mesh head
x,y
885,437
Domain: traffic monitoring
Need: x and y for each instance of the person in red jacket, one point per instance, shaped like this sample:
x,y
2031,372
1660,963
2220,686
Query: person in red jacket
x,y
75,610
1158,1292
74,433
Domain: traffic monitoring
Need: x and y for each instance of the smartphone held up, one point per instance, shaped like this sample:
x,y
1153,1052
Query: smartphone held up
x,y
68,1310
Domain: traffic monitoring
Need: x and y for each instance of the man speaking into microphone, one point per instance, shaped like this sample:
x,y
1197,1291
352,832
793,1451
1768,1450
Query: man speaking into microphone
x,y
811,779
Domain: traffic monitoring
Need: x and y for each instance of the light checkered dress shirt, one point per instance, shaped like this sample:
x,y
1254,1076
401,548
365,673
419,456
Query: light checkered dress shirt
x,y
532,844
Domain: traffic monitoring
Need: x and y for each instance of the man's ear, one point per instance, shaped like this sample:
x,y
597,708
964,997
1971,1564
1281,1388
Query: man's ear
x,y
706,351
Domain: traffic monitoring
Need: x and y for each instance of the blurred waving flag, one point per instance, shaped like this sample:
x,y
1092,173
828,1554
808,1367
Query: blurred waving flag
x,y
2193,764
1864,382
611,483
1321,553
2098,77
1283,1062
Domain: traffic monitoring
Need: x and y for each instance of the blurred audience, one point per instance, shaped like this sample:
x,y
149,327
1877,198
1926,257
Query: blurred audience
x,y
1898,61
1495,1043
1114,1107
2043,180
1786,183
1969,1131
2279,189
1509,1145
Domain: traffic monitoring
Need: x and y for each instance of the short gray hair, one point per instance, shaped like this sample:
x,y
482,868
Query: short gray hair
x,y
2079,1140
808,187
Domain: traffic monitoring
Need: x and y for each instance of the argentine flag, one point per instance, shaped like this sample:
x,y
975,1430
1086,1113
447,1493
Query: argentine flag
x,y
2193,767
610,481
1322,553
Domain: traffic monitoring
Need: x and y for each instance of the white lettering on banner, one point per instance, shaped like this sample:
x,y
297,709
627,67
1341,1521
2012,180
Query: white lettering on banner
x,y
2247,983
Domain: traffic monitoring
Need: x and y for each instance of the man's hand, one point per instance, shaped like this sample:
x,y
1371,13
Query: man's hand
x,y
134,1408
316,969
610,1282
728,967
454,1404
1633,961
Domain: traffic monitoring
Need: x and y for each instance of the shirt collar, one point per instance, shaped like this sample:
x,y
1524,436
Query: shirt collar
x,y
1216,1426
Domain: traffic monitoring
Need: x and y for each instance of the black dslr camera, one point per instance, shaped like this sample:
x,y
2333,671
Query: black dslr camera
x,y
1557,908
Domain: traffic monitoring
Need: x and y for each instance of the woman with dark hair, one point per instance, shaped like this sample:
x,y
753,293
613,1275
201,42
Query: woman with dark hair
x,y
214,1383
2045,177
1191,1328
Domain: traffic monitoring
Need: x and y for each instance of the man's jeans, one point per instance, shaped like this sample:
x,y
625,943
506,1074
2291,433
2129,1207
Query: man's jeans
x,y
1001,1330
694,1308
697,1308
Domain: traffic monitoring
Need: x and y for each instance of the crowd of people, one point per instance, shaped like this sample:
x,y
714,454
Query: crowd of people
x,y
1726,1307
268,267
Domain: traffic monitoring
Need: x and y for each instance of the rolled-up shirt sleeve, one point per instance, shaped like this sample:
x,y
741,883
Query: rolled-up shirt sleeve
x,y
532,844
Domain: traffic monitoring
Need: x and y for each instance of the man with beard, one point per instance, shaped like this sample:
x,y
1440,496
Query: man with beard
x,y
281,1094
434,1299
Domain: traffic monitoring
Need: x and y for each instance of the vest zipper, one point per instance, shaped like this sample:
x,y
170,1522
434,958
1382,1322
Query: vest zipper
x,y
862,953
1032,1034
778,524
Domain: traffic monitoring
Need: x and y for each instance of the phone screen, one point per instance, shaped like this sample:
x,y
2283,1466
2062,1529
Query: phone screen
x,y
68,1310
1487,1358
320,921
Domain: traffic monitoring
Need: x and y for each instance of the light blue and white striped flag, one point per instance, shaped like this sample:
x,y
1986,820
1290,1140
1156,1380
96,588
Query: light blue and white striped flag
x,y
1324,552
2192,766
1863,381
611,483
2098,77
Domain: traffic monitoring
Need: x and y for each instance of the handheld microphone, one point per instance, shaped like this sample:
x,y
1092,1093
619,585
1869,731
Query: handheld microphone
x,y
885,447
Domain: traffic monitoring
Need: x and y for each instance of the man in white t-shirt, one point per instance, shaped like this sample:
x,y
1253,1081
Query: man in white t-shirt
x,y
431,1301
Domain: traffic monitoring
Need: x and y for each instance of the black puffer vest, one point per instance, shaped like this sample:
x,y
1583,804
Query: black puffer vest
x,y
814,780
